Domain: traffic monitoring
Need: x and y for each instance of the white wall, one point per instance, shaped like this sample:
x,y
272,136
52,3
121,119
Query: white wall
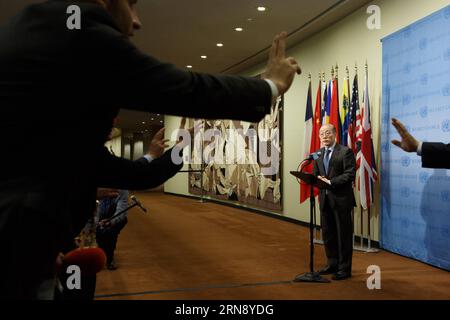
x,y
116,145
347,42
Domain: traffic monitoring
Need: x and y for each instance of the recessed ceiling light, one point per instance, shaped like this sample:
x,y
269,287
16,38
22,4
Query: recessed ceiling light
x,y
158,114
161,121
189,67
143,122
249,19
220,44
153,119
238,29
261,9
203,57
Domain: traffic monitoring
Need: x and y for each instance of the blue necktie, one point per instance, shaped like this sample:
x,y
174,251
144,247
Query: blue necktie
x,y
326,160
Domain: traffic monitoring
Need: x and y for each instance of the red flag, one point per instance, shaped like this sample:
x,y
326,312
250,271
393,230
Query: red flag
x,y
314,144
334,111
317,122
304,188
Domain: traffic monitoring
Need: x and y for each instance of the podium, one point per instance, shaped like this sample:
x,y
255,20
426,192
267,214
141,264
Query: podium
x,y
312,181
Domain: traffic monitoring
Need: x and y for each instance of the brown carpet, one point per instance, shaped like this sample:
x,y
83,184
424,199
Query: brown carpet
x,y
183,249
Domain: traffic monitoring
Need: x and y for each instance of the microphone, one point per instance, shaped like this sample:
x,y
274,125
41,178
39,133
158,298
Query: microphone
x,y
314,156
90,260
138,203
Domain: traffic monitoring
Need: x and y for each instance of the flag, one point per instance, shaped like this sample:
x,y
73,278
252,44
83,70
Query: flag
x,y
304,188
334,110
344,111
327,107
324,101
366,155
354,110
317,124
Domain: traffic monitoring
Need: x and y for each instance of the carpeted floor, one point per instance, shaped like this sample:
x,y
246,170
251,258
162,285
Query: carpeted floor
x,y
183,249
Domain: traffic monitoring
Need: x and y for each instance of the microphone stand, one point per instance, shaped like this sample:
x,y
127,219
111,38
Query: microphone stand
x,y
311,276
135,204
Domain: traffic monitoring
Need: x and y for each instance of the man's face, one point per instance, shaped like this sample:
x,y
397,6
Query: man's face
x,y
125,15
327,135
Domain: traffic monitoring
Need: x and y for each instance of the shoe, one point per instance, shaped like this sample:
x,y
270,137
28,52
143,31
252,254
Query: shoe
x,y
328,270
112,265
341,275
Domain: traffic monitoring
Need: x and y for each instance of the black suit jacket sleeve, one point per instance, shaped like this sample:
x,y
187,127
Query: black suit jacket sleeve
x,y
114,172
349,173
435,155
138,81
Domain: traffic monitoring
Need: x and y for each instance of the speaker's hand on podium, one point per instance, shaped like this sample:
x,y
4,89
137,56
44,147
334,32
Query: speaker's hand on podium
x,y
327,181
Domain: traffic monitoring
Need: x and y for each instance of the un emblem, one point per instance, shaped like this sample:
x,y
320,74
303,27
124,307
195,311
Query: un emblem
x,y
446,126
406,99
423,43
424,112
445,196
406,161
424,79
423,177
405,192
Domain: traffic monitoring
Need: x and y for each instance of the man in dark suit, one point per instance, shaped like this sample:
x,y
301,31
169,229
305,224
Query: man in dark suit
x,y
61,87
434,154
337,168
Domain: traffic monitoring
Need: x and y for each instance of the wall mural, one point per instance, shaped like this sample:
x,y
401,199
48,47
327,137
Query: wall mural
x,y
241,160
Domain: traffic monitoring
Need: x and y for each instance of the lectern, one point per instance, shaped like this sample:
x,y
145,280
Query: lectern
x,y
312,181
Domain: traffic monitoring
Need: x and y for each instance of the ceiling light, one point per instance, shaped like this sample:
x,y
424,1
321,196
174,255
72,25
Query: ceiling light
x,y
261,9
189,67
220,44
203,57
153,119
143,122
238,29
161,121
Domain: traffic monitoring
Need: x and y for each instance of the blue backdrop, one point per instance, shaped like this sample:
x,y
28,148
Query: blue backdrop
x,y
415,214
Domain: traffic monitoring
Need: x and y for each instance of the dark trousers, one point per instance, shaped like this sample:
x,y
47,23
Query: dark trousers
x,y
337,228
107,239
28,246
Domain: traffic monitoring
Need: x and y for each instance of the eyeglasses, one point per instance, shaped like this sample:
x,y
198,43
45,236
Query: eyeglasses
x,y
326,134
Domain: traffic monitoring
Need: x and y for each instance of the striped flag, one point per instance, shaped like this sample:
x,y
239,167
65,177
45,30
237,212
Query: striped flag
x,y
366,156
327,107
344,111
304,188
352,115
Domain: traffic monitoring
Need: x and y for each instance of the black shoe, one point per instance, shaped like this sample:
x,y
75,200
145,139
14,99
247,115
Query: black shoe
x,y
341,275
112,265
328,270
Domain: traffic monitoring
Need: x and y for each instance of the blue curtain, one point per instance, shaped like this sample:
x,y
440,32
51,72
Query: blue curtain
x,y
415,214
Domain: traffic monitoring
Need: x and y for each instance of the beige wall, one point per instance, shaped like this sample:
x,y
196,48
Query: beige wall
x,y
347,42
